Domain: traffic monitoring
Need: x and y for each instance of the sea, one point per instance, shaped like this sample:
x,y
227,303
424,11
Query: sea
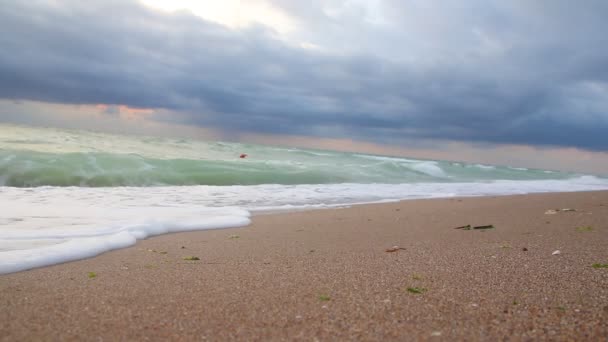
x,y
72,194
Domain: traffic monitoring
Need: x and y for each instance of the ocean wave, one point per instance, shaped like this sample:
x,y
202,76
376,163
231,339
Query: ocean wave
x,y
99,169
89,159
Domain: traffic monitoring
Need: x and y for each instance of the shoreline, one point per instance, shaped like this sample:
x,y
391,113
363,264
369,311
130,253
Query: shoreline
x,y
325,274
393,201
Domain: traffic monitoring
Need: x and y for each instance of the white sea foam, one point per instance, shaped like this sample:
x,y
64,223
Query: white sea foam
x,y
485,167
43,230
48,225
391,159
430,168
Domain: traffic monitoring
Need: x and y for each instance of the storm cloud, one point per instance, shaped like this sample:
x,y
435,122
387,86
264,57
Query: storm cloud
x,y
389,71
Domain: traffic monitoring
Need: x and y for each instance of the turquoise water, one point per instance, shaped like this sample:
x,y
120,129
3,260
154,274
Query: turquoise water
x,y
31,157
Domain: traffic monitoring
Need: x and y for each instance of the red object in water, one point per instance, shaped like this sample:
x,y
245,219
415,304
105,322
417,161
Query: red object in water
x,y
243,155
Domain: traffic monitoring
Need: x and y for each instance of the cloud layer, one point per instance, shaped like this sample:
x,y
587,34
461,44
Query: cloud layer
x,y
384,71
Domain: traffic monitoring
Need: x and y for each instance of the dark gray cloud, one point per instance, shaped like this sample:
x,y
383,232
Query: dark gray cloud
x,y
385,71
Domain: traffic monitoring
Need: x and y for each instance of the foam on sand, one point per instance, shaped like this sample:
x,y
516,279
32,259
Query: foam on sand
x,y
85,234
49,225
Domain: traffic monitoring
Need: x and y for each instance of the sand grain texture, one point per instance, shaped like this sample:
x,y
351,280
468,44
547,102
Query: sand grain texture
x,y
325,275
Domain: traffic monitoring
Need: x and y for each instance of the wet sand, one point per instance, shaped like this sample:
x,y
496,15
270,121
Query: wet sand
x,y
326,275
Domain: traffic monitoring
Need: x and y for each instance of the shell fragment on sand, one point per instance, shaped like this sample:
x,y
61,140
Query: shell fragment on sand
x,y
555,211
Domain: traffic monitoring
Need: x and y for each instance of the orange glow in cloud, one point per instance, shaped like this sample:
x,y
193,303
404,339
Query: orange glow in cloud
x,y
124,111
135,111
132,113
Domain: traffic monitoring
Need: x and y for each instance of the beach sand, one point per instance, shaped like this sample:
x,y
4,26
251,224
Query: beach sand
x,y
326,275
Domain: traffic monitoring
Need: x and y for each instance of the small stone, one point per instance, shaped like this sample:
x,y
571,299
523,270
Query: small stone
x,y
557,252
393,249
524,249
436,333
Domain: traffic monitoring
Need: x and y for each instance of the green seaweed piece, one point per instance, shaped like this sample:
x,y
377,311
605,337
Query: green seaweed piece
x,y
192,258
467,227
150,266
599,265
324,298
234,236
416,290
92,275
584,229
489,226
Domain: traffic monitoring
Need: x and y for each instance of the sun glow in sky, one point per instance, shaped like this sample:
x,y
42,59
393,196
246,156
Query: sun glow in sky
x,y
232,13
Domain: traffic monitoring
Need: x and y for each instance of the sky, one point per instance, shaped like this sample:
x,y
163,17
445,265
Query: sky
x,y
521,83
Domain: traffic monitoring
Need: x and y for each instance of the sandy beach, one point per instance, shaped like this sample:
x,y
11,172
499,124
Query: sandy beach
x,y
327,275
